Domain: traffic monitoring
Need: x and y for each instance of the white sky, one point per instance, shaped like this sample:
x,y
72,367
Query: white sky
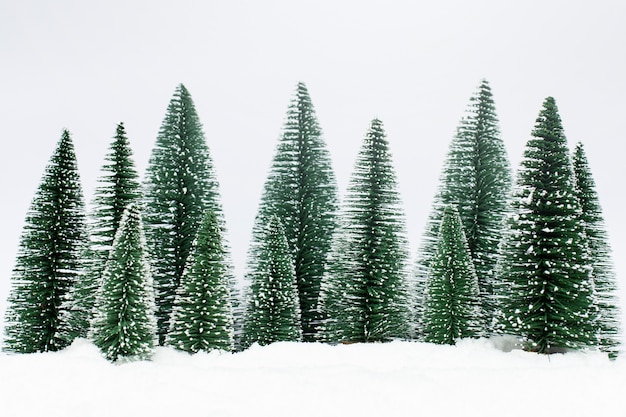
x,y
87,65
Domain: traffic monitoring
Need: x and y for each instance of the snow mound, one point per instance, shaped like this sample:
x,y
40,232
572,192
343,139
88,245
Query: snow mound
x,y
474,378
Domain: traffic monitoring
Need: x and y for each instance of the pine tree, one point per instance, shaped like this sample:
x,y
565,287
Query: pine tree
x,y
180,186
600,253
476,179
119,187
371,268
48,260
452,305
545,273
273,312
124,326
301,191
202,319
334,288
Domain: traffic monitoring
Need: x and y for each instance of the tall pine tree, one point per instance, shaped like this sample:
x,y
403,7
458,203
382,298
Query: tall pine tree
x,y
301,192
48,261
545,272
124,326
202,319
371,268
476,179
273,311
600,252
452,305
118,187
180,186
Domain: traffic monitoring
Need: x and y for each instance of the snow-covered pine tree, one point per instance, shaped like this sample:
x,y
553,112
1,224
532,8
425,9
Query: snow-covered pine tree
x,y
600,252
124,326
371,268
545,281
180,186
476,179
273,311
202,318
301,191
48,260
452,304
334,288
118,187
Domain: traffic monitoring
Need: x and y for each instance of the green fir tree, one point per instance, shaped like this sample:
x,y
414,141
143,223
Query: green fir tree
x,y
476,179
600,252
180,186
273,311
370,269
301,191
119,187
124,326
48,260
545,281
334,288
452,305
202,318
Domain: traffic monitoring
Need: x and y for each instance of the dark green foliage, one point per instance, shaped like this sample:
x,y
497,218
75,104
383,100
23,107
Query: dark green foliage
x,y
452,305
301,192
600,252
48,259
334,289
545,273
119,187
365,288
180,186
476,179
273,313
124,327
202,318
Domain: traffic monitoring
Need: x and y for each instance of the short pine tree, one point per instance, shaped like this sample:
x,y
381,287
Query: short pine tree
x,y
476,179
600,252
371,270
202,318
452,306
273,312
301,191
48,261
180,186
545,282
119,187
334,288
124,326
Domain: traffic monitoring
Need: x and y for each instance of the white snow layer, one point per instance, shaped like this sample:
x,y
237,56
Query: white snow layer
x,y
474,378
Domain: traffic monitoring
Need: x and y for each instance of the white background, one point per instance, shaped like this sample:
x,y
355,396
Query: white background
x,y
87,65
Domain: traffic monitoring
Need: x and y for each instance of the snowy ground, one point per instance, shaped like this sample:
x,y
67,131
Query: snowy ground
x,y
288,379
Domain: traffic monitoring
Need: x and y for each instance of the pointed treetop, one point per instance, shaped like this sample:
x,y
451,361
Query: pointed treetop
x,y
64,144
548,124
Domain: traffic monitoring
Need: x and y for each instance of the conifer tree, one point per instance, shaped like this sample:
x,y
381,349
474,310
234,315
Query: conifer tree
x,y
334,288
476,179
48,260
119,187
452,305
124,326
273,312
600,253
301,192
371,268
202,319
545,280
180,186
